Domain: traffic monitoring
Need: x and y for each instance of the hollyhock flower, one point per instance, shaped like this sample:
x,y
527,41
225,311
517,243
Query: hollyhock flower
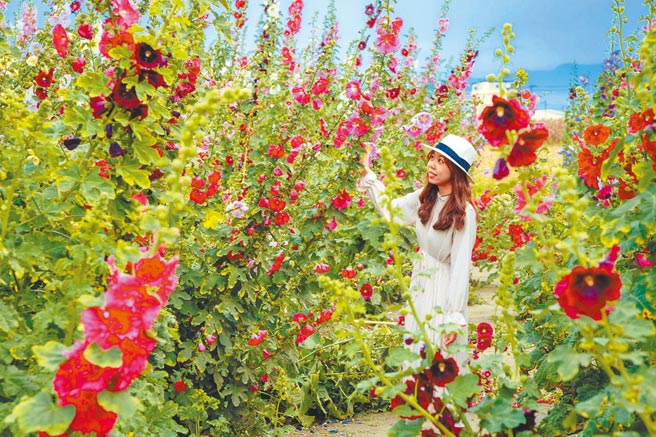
x,y
103,168
276,204
413,131
321,85
180,386
421,387
281,218
360,128
342,200
353,90
306,331
90,417
60,40
146,56
299,318
126,14
75,6
77,373
640,120
98,106
442,371
198,196
422,120
277,263
201,347
590,165
321,268
125,95
642,261
392,93
387,43
588,290
366,291
85,31
595,135
523,152
503,115
325,316
300,96
348,273
501,169
257,339
44,78
369,9
115,150
71,143
443,25
78,64
332,225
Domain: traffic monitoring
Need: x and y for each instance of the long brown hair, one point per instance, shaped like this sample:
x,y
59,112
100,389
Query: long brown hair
x,y
453,213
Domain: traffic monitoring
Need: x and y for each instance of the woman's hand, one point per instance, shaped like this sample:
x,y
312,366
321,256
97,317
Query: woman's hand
x,y
449,339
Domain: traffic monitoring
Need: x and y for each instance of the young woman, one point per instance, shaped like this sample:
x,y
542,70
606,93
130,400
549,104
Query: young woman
x,y
445,222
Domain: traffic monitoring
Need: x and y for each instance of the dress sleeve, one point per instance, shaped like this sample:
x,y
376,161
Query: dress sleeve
x,y
461,252
406,206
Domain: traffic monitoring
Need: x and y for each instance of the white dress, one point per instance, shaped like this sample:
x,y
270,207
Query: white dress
x,y
445,259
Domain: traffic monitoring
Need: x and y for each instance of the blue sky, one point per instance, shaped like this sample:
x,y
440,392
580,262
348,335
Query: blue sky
x,y
548,32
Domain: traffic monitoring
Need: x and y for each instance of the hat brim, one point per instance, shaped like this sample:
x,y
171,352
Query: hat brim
x,y
428,148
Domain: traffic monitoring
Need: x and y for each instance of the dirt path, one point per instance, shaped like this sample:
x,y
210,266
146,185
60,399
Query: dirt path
x,y
377,424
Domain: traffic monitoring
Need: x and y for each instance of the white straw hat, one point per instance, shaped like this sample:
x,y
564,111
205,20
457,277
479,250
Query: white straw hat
x,y
457,150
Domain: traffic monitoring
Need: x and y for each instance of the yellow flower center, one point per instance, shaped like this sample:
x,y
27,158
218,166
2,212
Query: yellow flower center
x,y
589,280
500,111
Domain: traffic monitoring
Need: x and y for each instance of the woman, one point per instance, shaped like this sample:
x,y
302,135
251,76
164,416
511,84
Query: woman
x,y
445,223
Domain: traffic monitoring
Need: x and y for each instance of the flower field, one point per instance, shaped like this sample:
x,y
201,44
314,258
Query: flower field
x,y
183,250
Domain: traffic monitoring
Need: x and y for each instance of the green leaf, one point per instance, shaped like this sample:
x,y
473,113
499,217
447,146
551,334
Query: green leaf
x,y
568,361
132,174
95,186
120,402
50,355
39,413
112,357
462,388
8,318
94,83
400,355
406,428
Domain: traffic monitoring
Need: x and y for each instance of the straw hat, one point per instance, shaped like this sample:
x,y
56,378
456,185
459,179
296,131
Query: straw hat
x,y
457,150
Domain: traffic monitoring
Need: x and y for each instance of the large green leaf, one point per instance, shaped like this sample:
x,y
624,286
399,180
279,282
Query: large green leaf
x,y
50,355
120,402
112,357
568,361
39,413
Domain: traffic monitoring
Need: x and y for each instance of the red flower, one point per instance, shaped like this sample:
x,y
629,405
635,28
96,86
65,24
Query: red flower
x,y
198,196
85,31
325,316
60,40
342,200
75,6
44,78
276,151
98,106
78,65
90,417
321,268
523,152
277,263
276,204
587,290
597,134
590,165
442,371
300,95
484,332
180,386
306,331
348,273
638,121
257,339
366,291
281,218
321,86
503,115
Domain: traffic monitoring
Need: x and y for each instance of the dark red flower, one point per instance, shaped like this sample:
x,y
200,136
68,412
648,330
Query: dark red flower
x,y
523,152
75,6
503,115
153,78
78,64
442,371
587,290
98,106
71,143
44,78
41,93
146,56
501,169
60,40
115,150
125,95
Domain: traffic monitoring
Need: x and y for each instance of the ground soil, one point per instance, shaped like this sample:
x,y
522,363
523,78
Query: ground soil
x,y
376,424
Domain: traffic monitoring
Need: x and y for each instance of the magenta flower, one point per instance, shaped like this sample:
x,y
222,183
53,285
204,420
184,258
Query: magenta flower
x,y
353,91
342,200
387,43
60,40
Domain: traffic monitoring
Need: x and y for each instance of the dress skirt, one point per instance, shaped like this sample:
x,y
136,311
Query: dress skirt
x,y
429,290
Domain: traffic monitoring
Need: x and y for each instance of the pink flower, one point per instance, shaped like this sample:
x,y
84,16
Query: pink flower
x,y
306,331
257,339
321,268
353,91
387,43
300,95
422,120
85,31
125,12
443,25
60,40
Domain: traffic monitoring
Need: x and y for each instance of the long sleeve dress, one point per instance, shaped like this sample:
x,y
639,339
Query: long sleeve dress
x,y
440,279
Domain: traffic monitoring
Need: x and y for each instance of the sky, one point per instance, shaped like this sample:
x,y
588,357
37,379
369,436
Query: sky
x,y
548,32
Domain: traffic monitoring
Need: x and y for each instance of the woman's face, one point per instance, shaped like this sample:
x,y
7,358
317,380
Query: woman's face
x,y
438,170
